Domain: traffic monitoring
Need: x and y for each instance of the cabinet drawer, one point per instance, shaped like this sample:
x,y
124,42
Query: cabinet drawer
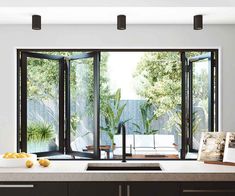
x,y
152,189
95,189
33,189
17,189
208,189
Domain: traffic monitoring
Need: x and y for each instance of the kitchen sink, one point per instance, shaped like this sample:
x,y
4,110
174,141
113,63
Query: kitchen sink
x,y
123,167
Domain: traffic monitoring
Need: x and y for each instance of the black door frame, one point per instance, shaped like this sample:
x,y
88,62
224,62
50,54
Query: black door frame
x,y
97,89
64,102
211,97
96,71
23,119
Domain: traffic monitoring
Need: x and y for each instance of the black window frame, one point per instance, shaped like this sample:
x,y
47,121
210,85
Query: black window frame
x,y
184,103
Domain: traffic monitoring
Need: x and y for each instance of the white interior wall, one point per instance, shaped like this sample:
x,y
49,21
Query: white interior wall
x,y
106,36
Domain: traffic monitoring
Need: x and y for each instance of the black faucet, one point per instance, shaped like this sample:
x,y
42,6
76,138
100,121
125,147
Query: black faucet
x,y
122,129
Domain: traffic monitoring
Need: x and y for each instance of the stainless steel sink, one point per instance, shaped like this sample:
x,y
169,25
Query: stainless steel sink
x,y
123,167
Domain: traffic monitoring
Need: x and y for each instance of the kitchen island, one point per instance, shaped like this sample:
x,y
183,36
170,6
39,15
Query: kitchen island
x,y
71,178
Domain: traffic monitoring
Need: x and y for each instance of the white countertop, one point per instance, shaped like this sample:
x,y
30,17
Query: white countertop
x,y
76,171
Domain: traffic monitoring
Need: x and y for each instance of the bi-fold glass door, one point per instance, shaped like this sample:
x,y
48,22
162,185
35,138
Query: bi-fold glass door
x,y
82,103
201,97
60,89
42,89
60,101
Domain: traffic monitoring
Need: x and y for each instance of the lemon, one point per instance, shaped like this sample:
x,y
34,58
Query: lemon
x,y
41,162
44,162
29,164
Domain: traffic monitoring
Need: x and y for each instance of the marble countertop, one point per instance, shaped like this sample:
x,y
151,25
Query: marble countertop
x,y
76,171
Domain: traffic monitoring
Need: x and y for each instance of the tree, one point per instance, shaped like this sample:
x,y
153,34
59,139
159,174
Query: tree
x,y
159,76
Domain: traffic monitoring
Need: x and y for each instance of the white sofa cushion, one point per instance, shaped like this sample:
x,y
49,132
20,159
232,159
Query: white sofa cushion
x,y
164,140
144,141
129,141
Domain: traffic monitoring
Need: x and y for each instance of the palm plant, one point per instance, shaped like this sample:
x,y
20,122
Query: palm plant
x,y
147,119
112,115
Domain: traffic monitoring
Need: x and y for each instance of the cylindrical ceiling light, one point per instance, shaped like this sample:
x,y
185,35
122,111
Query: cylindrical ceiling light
x,y
121,22
198,22
36,22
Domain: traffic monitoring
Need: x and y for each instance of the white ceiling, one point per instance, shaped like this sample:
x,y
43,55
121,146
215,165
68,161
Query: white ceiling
x,y
107,15
117,3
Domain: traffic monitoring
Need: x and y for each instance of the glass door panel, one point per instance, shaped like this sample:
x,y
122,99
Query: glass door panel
x,y
81,104
201,98
40,109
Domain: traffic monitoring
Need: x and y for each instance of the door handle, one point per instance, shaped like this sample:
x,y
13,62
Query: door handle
x,y
120,190
16,185
210,191
128,190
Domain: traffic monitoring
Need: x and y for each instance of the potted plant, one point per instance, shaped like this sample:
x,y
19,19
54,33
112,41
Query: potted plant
x,y
40,136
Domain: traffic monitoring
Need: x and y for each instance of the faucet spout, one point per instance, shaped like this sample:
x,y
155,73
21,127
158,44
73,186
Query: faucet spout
x,y
122,129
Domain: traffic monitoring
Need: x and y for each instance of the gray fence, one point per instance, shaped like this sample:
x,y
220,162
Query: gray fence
x,y
48,112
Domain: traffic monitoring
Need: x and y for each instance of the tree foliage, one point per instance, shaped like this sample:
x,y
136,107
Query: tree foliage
x,y
43,79
159,80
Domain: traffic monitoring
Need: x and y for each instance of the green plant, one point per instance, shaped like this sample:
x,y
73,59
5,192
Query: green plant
x,y
40,132
147,119
112,115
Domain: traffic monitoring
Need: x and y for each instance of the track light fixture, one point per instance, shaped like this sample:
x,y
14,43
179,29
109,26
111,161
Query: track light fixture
x,y
198,22
36,22
121,22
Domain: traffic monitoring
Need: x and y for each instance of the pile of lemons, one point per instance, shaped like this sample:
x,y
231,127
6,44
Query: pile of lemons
x,y
15,155
28,163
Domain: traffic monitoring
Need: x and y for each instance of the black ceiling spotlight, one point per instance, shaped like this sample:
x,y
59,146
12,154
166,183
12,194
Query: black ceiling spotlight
x,y
198,22
36,22
121,22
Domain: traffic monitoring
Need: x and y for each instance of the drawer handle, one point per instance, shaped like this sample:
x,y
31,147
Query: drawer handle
x,y
210,191
128,190
16,185
120,190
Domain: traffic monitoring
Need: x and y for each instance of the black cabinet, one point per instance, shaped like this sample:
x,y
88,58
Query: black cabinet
x,y
208,189
118,189
96,189
152,189
33,189
123,189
